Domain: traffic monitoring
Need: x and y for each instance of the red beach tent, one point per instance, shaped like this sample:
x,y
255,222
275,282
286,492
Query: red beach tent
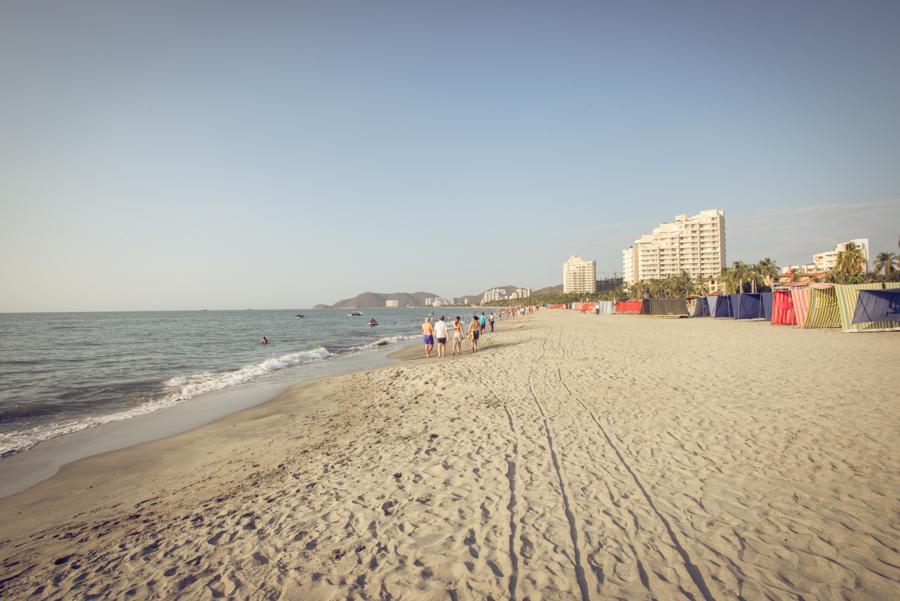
x,y
783,308
629,306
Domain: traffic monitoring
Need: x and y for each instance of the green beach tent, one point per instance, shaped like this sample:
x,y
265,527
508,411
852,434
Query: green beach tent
x,y
847,297
823,307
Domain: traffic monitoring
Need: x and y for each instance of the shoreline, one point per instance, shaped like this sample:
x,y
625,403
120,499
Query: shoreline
x,y
574,455
44,460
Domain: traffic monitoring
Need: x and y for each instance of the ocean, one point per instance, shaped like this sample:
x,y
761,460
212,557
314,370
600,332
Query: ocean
x,y
66,372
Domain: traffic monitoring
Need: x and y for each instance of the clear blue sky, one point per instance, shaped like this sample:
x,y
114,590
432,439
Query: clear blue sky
x,y
169,155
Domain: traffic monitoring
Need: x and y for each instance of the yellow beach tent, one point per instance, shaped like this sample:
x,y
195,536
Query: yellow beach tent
x,y
847,296
823,307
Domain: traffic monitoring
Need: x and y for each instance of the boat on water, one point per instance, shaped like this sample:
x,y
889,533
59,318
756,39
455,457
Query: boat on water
x,y
372,323
299,315
354,314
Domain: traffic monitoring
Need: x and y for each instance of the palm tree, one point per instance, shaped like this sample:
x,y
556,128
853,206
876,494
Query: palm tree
x,y
768,270
887,262
849,263
741,274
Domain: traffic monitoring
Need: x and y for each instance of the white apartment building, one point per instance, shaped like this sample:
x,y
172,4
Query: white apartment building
x,y
579,275
493,295
520,293
693,244
826,261
392,303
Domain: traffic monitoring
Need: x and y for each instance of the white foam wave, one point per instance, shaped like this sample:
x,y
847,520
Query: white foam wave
x,y
181,389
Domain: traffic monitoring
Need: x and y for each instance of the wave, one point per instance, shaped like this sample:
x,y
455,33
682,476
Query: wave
x,y
177,390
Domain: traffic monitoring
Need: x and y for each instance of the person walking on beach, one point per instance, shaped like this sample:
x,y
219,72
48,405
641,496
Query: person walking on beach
x,y
491,321
428,336
474,331
440,333
457,336
481,321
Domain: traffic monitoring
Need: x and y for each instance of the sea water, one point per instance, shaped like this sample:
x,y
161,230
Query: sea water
x,y
65,372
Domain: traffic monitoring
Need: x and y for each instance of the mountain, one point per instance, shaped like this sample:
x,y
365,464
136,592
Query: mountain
x,y
558,289
372,300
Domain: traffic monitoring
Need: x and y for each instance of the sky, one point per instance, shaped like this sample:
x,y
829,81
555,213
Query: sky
x,y
169,155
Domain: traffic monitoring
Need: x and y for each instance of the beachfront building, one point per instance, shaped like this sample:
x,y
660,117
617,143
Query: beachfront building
x,y
392,303
826,261
694,244
520,293
493,295
579,275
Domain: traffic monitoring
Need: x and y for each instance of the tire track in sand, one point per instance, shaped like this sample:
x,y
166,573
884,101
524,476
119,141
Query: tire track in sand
x,y
689,565
511,462
563,488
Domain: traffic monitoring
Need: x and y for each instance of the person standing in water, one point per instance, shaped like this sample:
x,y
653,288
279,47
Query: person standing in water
x,y
457,336
264,340
428,336
482,321
491,321
474,332
440,333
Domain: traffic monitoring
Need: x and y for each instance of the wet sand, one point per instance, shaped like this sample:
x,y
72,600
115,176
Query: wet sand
x,y
574,457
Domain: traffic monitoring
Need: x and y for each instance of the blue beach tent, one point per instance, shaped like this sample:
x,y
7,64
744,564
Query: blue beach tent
x,y
719,306
877,305
767,305
701,307
746,306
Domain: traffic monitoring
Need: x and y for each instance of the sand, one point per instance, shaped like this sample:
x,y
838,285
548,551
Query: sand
x,y
574,457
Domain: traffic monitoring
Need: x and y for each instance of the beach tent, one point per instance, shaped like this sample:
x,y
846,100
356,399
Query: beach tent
x,y
645,306
823,311
604,307
878,306
783,308
701,307
719,306
766,298
800,301
668,306
746,306
629,306
848,303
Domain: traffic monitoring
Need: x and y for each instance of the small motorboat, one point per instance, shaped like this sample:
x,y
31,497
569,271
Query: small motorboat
x,y
299,315
354,314
372,323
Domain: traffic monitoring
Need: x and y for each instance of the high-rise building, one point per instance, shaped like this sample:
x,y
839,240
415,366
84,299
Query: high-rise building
x,y
579,275
826,261
392,302
693,244
520,293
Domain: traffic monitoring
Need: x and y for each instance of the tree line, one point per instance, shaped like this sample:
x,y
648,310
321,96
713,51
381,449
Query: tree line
x,y
740,277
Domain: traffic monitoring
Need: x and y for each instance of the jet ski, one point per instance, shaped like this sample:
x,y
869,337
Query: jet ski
x,y
354,314
372,323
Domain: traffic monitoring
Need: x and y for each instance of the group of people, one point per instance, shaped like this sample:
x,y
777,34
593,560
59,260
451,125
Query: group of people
x,y
439,332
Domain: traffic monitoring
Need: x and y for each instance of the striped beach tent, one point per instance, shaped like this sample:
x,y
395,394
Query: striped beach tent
x,y
823,311
783,308
847,299
800,301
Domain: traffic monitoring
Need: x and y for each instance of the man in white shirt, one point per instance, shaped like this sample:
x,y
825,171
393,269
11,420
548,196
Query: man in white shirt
x,y
440,333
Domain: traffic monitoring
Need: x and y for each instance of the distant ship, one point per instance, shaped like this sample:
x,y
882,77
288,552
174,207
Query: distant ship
x,y
354,314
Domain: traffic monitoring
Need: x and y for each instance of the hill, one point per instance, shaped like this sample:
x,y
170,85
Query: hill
x,y
372,300
558,289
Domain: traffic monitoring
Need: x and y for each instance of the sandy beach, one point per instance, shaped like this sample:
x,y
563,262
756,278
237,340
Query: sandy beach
x,y
573,457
